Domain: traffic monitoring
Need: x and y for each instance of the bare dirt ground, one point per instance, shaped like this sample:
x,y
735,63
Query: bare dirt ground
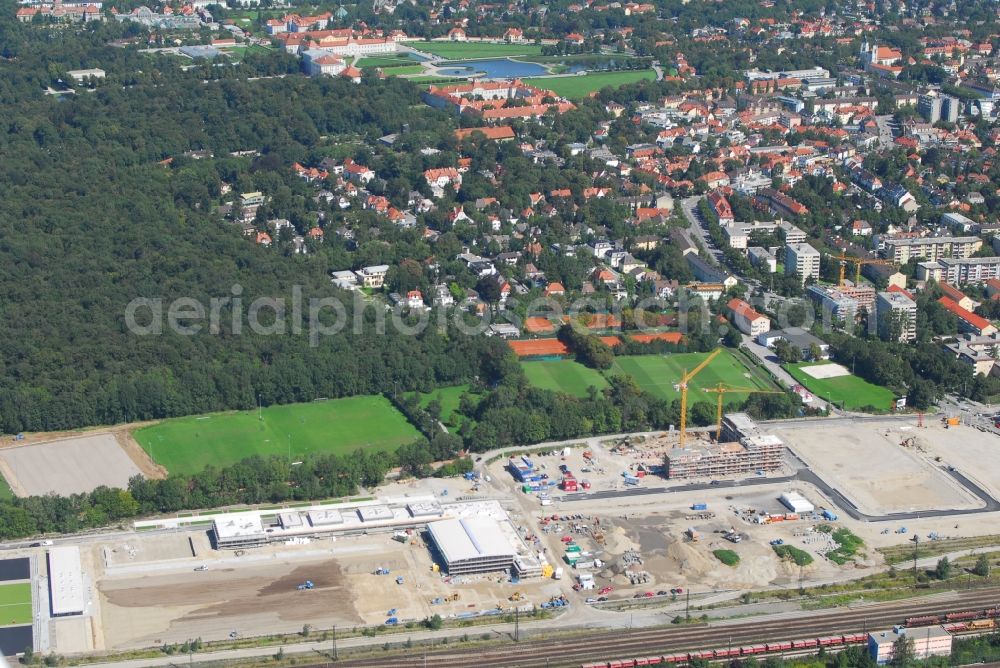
x,y
867,462
139,456
67,466
149,610
975,453
145,601
122,433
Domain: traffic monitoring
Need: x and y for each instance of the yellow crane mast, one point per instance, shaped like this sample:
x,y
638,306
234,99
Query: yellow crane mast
x,y
685,379
722,389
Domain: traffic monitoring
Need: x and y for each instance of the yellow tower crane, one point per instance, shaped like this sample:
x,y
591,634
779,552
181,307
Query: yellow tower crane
x,y
685,379
722,389
858,262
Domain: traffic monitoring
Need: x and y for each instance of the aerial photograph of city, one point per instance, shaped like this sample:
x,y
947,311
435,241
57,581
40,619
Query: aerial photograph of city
x,y
478,334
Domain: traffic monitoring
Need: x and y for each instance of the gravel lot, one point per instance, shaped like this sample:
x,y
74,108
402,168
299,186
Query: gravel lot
x,y
67,466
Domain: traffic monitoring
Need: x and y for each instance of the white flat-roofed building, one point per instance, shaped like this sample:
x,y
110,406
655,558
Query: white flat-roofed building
x,y
290,520
80,76
424,509
235,530
325,518
797,503
803,261
929,641
66,591
374,513
472,545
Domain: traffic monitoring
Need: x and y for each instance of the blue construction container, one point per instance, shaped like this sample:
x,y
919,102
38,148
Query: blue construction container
x,y
699,506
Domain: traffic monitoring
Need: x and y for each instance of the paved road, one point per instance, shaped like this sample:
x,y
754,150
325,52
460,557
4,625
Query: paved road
x,y
770,362
885,137
844,504
695,229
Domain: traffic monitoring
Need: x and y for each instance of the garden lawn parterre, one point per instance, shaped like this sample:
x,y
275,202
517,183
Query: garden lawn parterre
x,y
579,86
466,50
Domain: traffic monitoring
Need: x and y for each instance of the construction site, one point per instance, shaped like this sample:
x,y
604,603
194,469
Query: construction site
x,y
580,528
743,449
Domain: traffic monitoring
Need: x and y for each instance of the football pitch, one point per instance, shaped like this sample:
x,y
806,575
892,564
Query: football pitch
x,y
338,426
15,603
563,376
849,392
660,374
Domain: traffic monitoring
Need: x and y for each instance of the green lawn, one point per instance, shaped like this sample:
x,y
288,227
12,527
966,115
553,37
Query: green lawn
x,y
850,392
449,398
659,374
431,79
465,50
6,493
398,60
576,87
563,376
400,71
187,445
15,603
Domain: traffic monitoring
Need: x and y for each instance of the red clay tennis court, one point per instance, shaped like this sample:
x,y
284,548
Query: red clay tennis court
x,y
538,347
538,325
669,337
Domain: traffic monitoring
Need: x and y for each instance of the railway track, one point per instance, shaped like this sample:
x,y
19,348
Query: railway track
x,y
572,650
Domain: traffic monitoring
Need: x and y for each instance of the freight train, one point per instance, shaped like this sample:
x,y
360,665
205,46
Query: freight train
x,y
970,621
955,618
734,652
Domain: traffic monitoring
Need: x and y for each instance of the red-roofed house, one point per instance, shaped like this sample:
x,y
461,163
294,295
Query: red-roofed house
x,y
967,320
513,36
746,319
497,133
438,179
720,206
715,179
555,289
993,288
352,73
957,296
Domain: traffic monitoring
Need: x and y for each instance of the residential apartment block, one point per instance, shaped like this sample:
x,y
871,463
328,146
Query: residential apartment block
x,y
894,309
802,260
931,248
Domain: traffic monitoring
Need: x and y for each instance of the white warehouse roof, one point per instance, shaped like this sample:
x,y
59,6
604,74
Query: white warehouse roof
x,y
66,581
797,503
470,538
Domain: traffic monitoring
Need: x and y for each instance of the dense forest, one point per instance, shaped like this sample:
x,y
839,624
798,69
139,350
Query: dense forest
x,y
90,221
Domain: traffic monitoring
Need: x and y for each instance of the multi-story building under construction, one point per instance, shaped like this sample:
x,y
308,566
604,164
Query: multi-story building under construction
x,y
748,451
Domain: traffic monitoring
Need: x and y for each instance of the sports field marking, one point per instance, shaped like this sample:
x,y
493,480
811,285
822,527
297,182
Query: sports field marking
x,y
660,374
822,371
337,426
565,376
15,603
